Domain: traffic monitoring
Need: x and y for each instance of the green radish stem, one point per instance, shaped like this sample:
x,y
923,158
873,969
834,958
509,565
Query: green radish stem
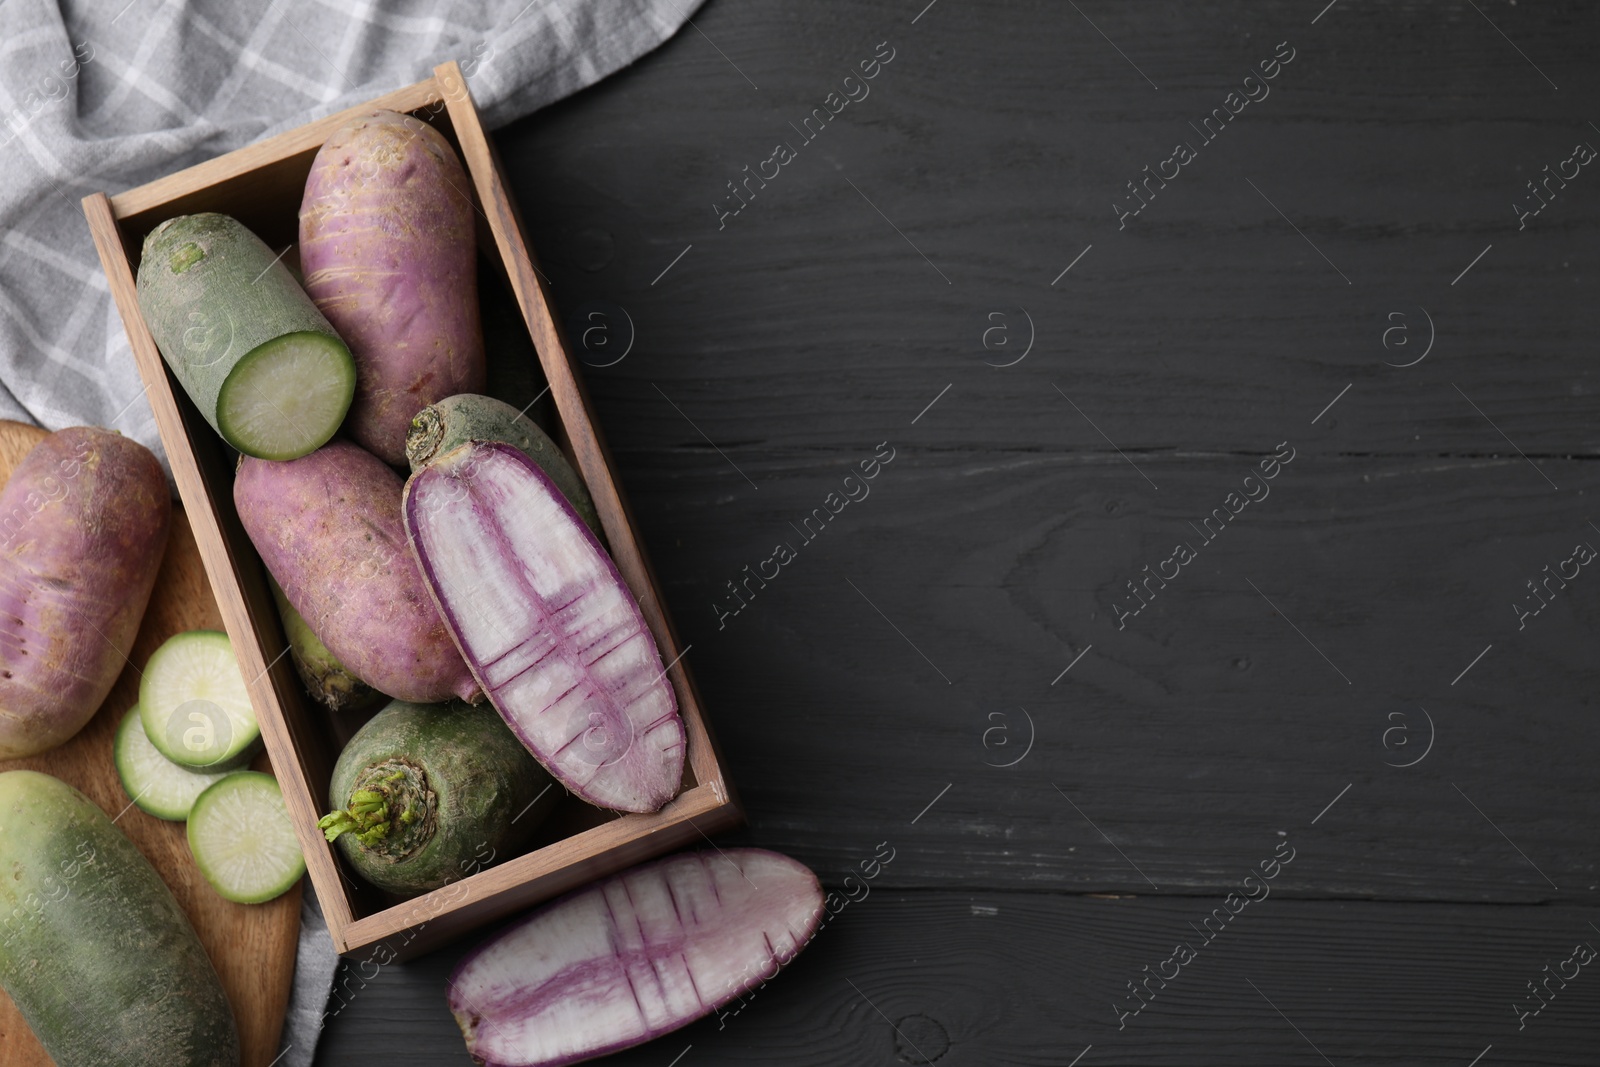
x,y
425,794
391,810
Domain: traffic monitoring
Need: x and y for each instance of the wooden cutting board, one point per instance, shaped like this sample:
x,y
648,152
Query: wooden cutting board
x,y
251,945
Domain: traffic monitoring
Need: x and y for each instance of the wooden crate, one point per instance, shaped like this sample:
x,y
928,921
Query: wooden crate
x,y
261,185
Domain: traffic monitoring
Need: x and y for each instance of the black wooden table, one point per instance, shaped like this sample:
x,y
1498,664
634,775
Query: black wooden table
x,y
1214,653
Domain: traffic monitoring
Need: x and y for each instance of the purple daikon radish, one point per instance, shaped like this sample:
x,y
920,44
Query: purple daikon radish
x,y
633,957
546,625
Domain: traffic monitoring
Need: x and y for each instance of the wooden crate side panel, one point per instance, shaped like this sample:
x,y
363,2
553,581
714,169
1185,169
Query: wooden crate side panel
x,y
220,184
429,921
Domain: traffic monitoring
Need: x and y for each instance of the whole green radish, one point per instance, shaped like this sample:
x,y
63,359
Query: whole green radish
x,y
83,527
426,794
329,682
94,950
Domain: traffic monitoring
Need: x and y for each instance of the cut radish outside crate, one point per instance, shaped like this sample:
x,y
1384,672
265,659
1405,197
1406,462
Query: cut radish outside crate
x,y
633,957
546,625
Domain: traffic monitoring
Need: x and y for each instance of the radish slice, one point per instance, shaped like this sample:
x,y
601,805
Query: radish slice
x,y
242,839
546,625
633,957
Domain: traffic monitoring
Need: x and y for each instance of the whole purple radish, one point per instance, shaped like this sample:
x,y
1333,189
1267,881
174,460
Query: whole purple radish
x,y
83,528
633,957
547,626
388,247
329,529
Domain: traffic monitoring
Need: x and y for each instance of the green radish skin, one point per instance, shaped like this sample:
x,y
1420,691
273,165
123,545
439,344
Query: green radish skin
x,y
229,317
389,248
94,951
425,794
83,527
455,420
242,840
157,785
329,682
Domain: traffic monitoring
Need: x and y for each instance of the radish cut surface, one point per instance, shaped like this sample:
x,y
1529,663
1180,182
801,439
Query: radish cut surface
x,y
287,397
633,957
195,705
258,359
242,840
159,786
547,626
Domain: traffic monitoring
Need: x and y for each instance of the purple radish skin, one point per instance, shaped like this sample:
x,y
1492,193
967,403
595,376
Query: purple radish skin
x,y
546,625
329,529
83,527
636,956
389,253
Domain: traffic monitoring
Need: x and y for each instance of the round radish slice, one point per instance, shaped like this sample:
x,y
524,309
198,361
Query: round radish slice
x,y
242,840
157,785
261,363
194,704
633,957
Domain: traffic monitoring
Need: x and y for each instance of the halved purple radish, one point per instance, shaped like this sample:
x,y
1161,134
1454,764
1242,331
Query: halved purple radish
x,y
546,625
633,957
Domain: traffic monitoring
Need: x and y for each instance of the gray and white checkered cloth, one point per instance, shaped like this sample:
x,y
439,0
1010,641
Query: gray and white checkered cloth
x,y
104,96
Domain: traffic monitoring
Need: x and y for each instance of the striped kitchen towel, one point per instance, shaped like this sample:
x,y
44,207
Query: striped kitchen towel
x,y
109,94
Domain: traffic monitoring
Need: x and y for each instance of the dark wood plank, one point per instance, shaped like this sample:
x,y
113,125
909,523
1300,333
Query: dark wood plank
x,y
997,140
987,978
1207,722
999,543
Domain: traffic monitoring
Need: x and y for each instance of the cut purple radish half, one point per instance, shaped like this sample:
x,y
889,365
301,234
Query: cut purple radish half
x,y
546,625
633,957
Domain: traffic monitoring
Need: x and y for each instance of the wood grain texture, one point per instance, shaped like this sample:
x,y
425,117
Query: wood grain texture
x,y
996,142
1208,721
975,979
251,945
1000,538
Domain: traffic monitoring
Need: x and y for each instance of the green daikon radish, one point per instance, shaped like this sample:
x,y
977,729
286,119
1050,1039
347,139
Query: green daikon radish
x,y
249,347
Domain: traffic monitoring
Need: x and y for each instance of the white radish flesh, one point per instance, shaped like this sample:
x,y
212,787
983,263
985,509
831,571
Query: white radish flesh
x,y
633,957
546,625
